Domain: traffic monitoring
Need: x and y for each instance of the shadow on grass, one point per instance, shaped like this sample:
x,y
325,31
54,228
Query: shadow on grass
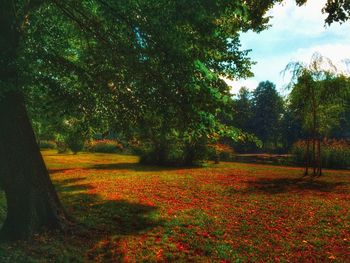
x,y
59,170
138,167
70,185
100,226
283,185
59,154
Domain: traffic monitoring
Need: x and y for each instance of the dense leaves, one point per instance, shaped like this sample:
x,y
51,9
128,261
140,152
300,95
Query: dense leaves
x,y
260,113
319,97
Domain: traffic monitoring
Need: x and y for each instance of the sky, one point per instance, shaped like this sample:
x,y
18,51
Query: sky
x,y
296,33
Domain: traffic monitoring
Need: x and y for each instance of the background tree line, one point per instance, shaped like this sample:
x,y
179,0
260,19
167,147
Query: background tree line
x,y
279,122
312,122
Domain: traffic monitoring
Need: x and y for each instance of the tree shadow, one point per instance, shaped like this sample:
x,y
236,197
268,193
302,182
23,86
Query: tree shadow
x,y
70,185
284,185
58,154
59,170
138,167
98,220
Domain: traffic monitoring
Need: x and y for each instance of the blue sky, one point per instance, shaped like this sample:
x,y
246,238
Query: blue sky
x,y
295,34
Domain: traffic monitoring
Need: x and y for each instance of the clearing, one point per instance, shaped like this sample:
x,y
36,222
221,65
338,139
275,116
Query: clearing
x,y
222,213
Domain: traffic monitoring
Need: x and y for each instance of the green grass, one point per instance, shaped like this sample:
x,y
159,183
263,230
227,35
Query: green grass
x,y
230,212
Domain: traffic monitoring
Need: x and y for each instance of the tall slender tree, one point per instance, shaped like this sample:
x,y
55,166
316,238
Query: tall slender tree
x,y
319,103
267,109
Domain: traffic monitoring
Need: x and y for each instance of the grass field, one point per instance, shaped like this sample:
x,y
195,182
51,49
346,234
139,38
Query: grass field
x,y
229,212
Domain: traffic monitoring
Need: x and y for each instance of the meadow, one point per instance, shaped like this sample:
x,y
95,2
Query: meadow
x,y
230,212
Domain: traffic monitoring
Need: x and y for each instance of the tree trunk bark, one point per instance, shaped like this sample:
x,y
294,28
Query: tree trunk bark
x,y
32,202
314,155
314,131
319,156
307,156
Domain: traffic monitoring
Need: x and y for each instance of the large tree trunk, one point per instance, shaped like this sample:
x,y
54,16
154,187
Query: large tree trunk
x,y
32,202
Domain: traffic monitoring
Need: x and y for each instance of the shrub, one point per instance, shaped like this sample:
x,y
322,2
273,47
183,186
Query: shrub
x,y
182,154
75,142
61,147
43,144
171,153
104,146
334,153
166,154
220,152
225,151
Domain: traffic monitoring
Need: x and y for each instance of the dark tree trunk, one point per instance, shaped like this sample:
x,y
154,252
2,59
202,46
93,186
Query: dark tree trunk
x,y
189,155
32,201
161,154
314,155
217,158
313,131
319,158
307,157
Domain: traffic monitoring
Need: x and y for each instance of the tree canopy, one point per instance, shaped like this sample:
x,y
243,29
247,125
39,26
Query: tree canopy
x,y
147,67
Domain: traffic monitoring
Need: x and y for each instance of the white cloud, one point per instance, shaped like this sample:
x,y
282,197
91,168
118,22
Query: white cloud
x,y
289,17
296,34
235,85
307,20
335,52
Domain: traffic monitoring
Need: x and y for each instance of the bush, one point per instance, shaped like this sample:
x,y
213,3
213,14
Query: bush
x,y
104,146
334,153
170,153
47,144
177,153
225,152
75,142
61,147
167,154
221,152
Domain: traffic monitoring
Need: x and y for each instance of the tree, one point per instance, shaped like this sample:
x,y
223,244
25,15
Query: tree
x,y
267,110
102,63
337,10
32,203
243,110
291,126
317,95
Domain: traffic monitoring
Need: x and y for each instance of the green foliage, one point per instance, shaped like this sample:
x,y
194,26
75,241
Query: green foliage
x,y
173,153
75,142
148,68
61,144
243,110
74,133
338,11
104,146
163,77
268,111
335,153
259,114
319,95
43,144
221,152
